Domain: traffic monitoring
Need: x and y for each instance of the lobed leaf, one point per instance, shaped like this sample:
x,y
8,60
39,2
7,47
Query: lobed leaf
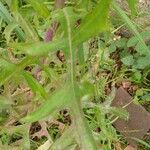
x,y
39,48
93,23
9,69
128,60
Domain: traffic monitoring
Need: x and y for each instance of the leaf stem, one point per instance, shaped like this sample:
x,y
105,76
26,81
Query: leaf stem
x,y
84,137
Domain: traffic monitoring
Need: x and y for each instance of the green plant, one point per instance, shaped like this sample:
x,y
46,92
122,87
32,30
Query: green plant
x,y
42,89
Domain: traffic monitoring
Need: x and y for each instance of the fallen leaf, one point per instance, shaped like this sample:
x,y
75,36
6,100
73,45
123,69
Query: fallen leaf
x,y
138,123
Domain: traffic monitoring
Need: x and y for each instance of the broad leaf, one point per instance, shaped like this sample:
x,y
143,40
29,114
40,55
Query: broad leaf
x,y
93,23
140,49
142,62
128,60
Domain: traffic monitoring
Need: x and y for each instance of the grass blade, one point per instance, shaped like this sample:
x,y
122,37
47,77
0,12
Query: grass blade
x,y
132,27
133,6
142,142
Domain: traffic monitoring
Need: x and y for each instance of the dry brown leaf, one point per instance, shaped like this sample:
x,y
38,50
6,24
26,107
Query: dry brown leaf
x,y
139,119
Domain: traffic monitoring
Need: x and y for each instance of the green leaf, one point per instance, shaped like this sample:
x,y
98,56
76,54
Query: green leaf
x,y
57,100
120,112
84,136
142,142
64,141
6,16
6,70
112,47
34,85
4,102
14,5
139,92
121,42
81,55
132,27
134,40
95,22
133,6
39,7
8,30
27,27
137,76
40,48
142,62
140,49
128,60
9,69
86,88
